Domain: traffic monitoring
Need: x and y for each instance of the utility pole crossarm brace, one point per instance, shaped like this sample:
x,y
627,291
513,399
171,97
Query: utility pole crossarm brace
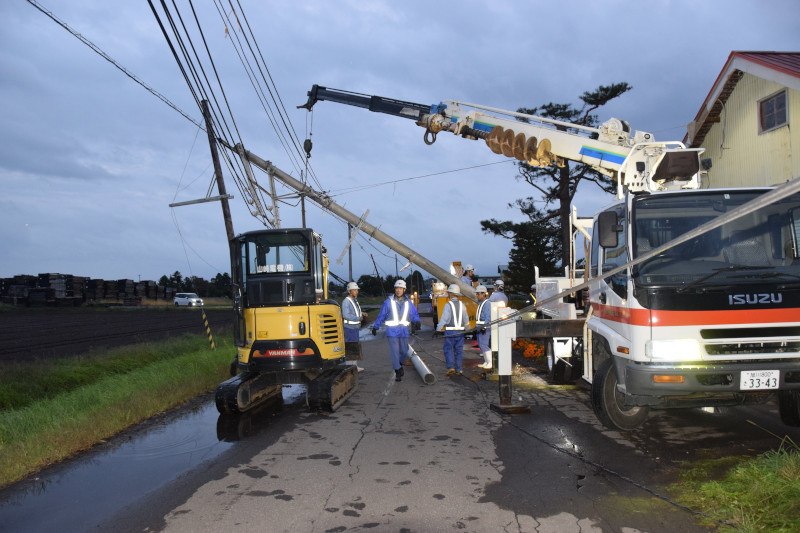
x,y
352,237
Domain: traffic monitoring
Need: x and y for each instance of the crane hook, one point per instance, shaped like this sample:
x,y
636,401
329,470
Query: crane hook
x,y
307,147
429,134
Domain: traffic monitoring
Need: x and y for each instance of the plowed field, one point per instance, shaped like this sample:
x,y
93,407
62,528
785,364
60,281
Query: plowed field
x,y
39,333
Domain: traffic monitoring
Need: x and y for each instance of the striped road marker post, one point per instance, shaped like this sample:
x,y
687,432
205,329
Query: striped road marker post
x,y
208,329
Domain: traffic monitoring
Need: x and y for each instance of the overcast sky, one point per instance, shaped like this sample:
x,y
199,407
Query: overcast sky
x,y
90,160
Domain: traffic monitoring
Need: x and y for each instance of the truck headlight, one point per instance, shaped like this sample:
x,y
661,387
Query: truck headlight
x,y
673,349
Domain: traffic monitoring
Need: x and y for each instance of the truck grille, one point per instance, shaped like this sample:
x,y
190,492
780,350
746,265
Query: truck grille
x,y
781,341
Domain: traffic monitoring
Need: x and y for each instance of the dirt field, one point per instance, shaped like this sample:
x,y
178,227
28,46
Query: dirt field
x,y
37,333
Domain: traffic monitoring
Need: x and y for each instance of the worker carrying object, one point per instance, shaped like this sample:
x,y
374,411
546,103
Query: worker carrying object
x,y
453,323
482,317
399,315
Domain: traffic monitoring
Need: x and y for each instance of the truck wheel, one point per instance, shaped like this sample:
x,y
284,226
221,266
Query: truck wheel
x,y
789,407
608,402
555,367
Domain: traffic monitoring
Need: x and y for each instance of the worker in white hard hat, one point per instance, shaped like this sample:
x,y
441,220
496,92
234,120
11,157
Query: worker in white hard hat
x,y
399,314
499,293
453,322
352,316
352,320
483,316
469,271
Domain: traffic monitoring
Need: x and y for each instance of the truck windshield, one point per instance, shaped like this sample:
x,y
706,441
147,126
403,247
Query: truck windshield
x,y
762,243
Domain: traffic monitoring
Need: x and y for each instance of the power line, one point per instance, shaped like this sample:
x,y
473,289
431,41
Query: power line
x,y
105,56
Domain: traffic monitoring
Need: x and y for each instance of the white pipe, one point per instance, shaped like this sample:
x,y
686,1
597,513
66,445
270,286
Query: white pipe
x,y
422,369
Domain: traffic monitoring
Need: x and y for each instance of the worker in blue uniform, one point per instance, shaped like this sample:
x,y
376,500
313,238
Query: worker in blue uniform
x,y
453,322
499,293
400,316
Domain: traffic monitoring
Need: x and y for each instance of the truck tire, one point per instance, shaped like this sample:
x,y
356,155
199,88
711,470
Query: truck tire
x,y
789,407
555,367
607,401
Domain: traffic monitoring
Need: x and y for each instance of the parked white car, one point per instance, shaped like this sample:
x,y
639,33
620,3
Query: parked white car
x,y
188,299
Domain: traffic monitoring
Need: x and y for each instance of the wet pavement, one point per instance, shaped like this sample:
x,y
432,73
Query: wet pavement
x,y
397,456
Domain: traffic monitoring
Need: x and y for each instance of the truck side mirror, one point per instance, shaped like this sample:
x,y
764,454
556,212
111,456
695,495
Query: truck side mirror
x,y
608,229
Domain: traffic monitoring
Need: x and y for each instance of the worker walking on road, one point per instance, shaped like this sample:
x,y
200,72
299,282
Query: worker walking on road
x,y
399,315
482,317
352,320
453,323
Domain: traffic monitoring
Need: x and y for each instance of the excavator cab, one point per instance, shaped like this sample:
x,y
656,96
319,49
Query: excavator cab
x,y
286,331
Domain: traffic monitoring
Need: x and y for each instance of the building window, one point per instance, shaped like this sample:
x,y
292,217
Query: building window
x,y
772,112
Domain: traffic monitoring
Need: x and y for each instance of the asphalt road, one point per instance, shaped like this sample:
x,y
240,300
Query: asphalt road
x,y
406,456
397,456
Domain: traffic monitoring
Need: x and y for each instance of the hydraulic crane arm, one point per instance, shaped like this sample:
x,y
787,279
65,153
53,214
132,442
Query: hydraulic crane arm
x,y
378,104
634,159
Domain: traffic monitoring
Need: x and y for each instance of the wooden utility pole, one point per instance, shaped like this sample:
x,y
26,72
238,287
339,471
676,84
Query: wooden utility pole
x,y
226,210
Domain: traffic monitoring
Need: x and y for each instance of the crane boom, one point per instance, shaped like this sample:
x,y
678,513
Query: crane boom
x,y
634,159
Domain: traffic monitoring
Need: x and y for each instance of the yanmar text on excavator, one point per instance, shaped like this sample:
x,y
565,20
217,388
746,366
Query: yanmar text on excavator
x,y
286,330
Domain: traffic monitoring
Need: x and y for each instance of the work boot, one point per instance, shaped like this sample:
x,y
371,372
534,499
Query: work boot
x,y
397,375
451,371
487,356
402,371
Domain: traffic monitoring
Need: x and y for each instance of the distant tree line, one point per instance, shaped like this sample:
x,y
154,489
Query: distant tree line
x,y
219,286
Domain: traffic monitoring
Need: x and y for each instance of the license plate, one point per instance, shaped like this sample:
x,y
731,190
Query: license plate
x,y
759,379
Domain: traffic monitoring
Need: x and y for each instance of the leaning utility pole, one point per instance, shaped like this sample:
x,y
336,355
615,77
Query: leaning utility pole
x,y
226,210
325,202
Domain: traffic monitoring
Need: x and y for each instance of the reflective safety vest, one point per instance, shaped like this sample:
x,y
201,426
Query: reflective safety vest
x,y
357,309
479,314
403,320
457,318
533,298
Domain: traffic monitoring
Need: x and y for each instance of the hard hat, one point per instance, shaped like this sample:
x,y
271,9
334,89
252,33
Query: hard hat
x,y
400,283
468,267
352,286
480,288
533,287
499,283
455,289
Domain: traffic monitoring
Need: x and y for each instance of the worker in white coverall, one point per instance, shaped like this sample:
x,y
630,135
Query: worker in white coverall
x,y
482,317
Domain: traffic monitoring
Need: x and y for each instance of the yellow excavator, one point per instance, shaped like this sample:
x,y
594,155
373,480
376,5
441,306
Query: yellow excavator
x,y
286,330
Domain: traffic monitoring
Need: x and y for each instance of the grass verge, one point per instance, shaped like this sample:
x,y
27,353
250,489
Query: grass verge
x,y
757,494
78,414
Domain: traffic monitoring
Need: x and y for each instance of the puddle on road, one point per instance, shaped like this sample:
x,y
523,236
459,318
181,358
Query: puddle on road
x,y
81,493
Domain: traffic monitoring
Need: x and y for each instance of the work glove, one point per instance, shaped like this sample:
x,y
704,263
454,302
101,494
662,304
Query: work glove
x,y
437,333
417,325
483,331
374,331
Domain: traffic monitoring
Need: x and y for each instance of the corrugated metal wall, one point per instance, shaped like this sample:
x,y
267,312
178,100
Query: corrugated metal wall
x,y
741,157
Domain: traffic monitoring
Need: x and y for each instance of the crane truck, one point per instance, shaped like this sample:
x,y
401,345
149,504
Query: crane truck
x,y
693,293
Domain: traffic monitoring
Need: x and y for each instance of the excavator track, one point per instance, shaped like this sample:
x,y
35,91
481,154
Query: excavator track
x,y
332,387
244,392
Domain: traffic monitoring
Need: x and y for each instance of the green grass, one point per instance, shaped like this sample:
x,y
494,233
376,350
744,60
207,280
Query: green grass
x,y
756,494
90,399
